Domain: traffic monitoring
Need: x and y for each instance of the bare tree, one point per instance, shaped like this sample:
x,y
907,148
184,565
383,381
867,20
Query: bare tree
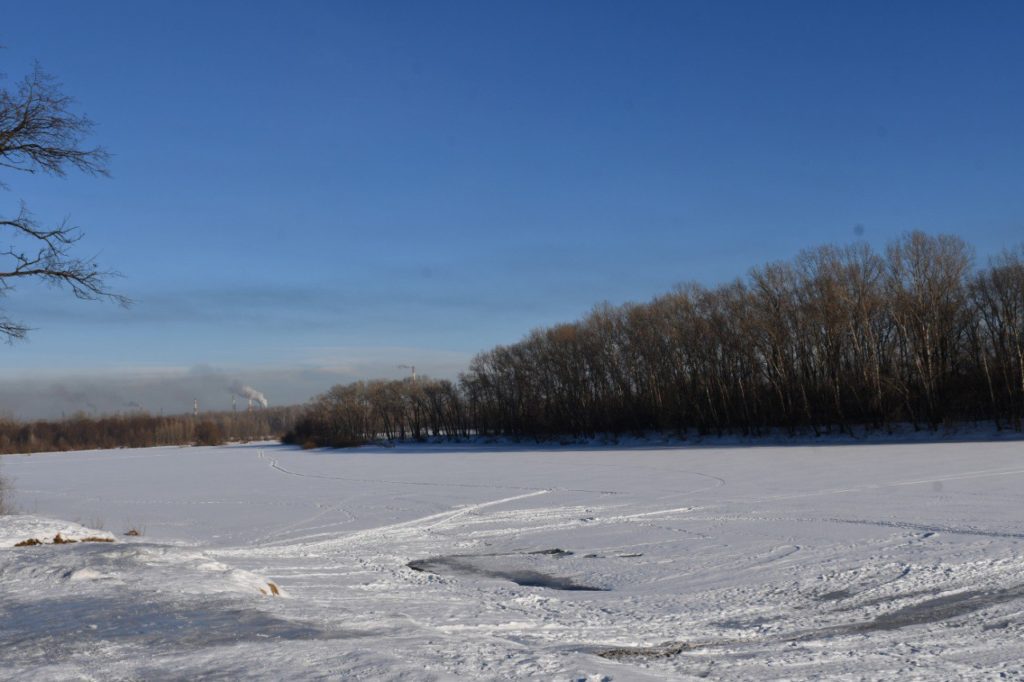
x,y
998,298
40,134
927,280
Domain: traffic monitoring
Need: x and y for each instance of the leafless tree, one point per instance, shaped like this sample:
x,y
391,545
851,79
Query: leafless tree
x,y
41,134
839,338
928,293
997,295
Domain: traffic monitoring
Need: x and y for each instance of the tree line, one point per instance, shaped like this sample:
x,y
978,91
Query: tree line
x,y
357,413
81,432
838,338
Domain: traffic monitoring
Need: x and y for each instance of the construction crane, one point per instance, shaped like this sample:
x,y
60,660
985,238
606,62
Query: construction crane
x,y
412,368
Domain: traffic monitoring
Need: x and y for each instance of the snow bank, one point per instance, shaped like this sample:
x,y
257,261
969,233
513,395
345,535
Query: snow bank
x,y
144,566
18,529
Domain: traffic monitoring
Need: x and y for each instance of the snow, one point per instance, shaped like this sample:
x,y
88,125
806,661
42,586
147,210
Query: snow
x,y
16,529
867,561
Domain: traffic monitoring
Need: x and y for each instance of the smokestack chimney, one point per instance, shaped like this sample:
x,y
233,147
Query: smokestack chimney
x,y
195,407
249,393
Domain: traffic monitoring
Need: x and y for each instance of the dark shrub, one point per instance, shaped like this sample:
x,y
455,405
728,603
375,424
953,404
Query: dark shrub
x,y
209,433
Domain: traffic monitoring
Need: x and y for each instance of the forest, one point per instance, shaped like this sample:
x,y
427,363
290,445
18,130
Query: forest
x,y
837,339
840,339
84,432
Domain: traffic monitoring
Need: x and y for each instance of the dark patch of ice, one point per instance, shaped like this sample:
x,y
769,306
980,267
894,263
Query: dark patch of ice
x,y
932,610
928,611
1000,625
553,552
941,608
663,650
523,577
835,595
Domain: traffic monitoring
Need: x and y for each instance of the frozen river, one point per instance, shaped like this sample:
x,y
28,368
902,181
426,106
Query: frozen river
x,y
898,561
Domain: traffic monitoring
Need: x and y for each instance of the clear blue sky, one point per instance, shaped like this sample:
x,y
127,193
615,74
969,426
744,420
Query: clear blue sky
x,y
309,192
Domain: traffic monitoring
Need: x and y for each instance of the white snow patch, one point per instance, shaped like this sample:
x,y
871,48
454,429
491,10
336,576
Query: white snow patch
x,y
15,529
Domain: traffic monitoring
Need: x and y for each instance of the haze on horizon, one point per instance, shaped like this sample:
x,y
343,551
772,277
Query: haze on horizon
x,y
309,195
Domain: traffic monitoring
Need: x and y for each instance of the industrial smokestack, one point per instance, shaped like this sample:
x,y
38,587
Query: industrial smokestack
x,y
249,393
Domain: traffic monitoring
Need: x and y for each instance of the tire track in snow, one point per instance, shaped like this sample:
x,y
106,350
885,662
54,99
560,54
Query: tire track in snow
x,y
423,523
891,484
902,525
719,481
833,491
301,527
927,528
275,465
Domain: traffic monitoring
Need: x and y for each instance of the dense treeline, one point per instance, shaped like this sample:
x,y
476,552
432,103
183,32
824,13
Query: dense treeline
x,y
836,338
82,432
382,410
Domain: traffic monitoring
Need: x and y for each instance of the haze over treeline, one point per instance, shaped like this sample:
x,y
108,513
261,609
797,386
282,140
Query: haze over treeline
x,y
836,338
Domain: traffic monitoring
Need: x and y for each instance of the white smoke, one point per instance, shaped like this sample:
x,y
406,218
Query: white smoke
x,y
248,392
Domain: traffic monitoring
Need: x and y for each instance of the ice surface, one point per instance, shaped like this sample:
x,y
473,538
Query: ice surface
x,y
839,561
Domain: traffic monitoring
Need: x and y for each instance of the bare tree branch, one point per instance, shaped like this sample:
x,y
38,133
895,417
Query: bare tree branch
x,y
39,133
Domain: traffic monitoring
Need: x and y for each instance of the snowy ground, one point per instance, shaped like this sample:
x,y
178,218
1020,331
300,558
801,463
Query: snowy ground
x,y
839,562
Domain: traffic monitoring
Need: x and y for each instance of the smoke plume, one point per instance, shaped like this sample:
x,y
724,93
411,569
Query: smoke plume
x,y
248,392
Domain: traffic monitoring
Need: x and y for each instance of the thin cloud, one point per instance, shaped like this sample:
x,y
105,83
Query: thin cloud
x,y
172,390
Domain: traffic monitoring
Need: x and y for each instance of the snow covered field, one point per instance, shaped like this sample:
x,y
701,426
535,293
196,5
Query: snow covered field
x,y
476,562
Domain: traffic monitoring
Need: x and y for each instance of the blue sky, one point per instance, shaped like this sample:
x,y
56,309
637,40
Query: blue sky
x,y
305,193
